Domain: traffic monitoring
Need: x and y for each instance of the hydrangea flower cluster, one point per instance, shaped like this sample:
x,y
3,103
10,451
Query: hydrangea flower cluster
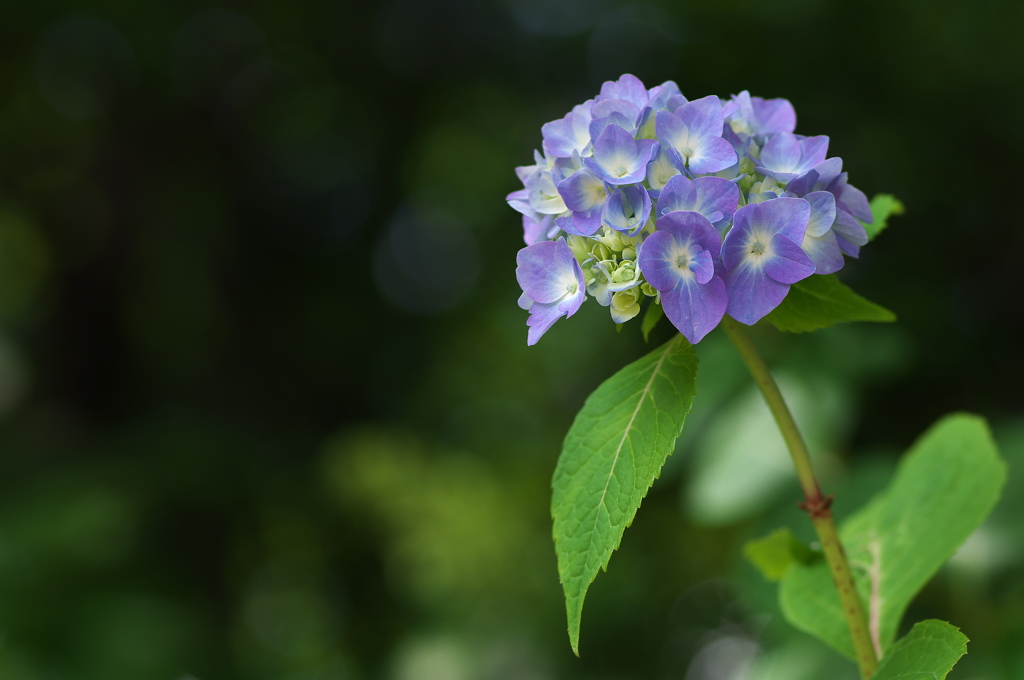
x,y
709,207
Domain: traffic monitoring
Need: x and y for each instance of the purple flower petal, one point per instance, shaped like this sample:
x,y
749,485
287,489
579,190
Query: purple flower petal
x,y
703,116
700,152
762,257
620,159
583,191
678,260
786,156
628,87
786,262
713,197
752,295
552,283
571,133
627,209
824,252
823,212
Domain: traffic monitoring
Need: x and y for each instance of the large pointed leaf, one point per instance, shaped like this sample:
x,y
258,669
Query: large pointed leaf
x,y
821,301
943,489
928,652
611,456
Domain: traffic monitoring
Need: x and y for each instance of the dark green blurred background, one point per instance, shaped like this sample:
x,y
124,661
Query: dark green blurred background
x,y
266,405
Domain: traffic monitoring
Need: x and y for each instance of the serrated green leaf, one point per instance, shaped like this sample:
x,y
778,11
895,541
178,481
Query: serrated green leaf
x,y
613,453
944,488
821,301
773,554
651,318
883,206
928,652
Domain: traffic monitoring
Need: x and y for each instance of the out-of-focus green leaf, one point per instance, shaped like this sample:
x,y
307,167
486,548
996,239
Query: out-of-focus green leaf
x,y
929,651
821,301
943,489
883,206
612,454
774,553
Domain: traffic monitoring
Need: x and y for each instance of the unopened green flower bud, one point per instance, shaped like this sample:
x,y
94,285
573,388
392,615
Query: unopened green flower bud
x,y
580,247
625,305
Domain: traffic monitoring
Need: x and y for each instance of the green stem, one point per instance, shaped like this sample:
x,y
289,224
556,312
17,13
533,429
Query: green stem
x,y
817,505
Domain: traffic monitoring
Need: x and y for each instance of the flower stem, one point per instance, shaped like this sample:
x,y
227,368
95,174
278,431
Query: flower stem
x,y
818,506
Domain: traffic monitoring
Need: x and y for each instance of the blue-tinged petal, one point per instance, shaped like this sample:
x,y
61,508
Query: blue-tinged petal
x,y
786,262
538,227
546,271
586,222
696,309
520,201
823,212
568,134
627,209
542,317
627,110
854,200
773,115
658,96
544,195
676,263
620,159
627,123
805,183
703,116
740,239
786,216
671,253
824,253
786,156
752,294
676,102
672,131
711,154
713,197
664,167
552,283
846,227
812,151
627,87
583,191
781,152
702,266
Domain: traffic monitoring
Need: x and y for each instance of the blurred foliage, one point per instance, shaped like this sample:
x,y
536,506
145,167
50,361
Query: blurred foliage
x,y
266,407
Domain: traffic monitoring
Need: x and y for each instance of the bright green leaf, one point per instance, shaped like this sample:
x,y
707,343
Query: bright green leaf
x,y
882,207
774,553
928,652
611,456
651,318
943,489
820,301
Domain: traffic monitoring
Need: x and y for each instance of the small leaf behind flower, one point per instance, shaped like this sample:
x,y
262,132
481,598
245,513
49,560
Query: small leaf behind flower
x,y
929,650
612,454
651,318
821,301
774,553
883,206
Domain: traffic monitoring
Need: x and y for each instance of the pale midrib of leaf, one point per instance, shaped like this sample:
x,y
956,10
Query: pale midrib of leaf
x,y
644,394
875,600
